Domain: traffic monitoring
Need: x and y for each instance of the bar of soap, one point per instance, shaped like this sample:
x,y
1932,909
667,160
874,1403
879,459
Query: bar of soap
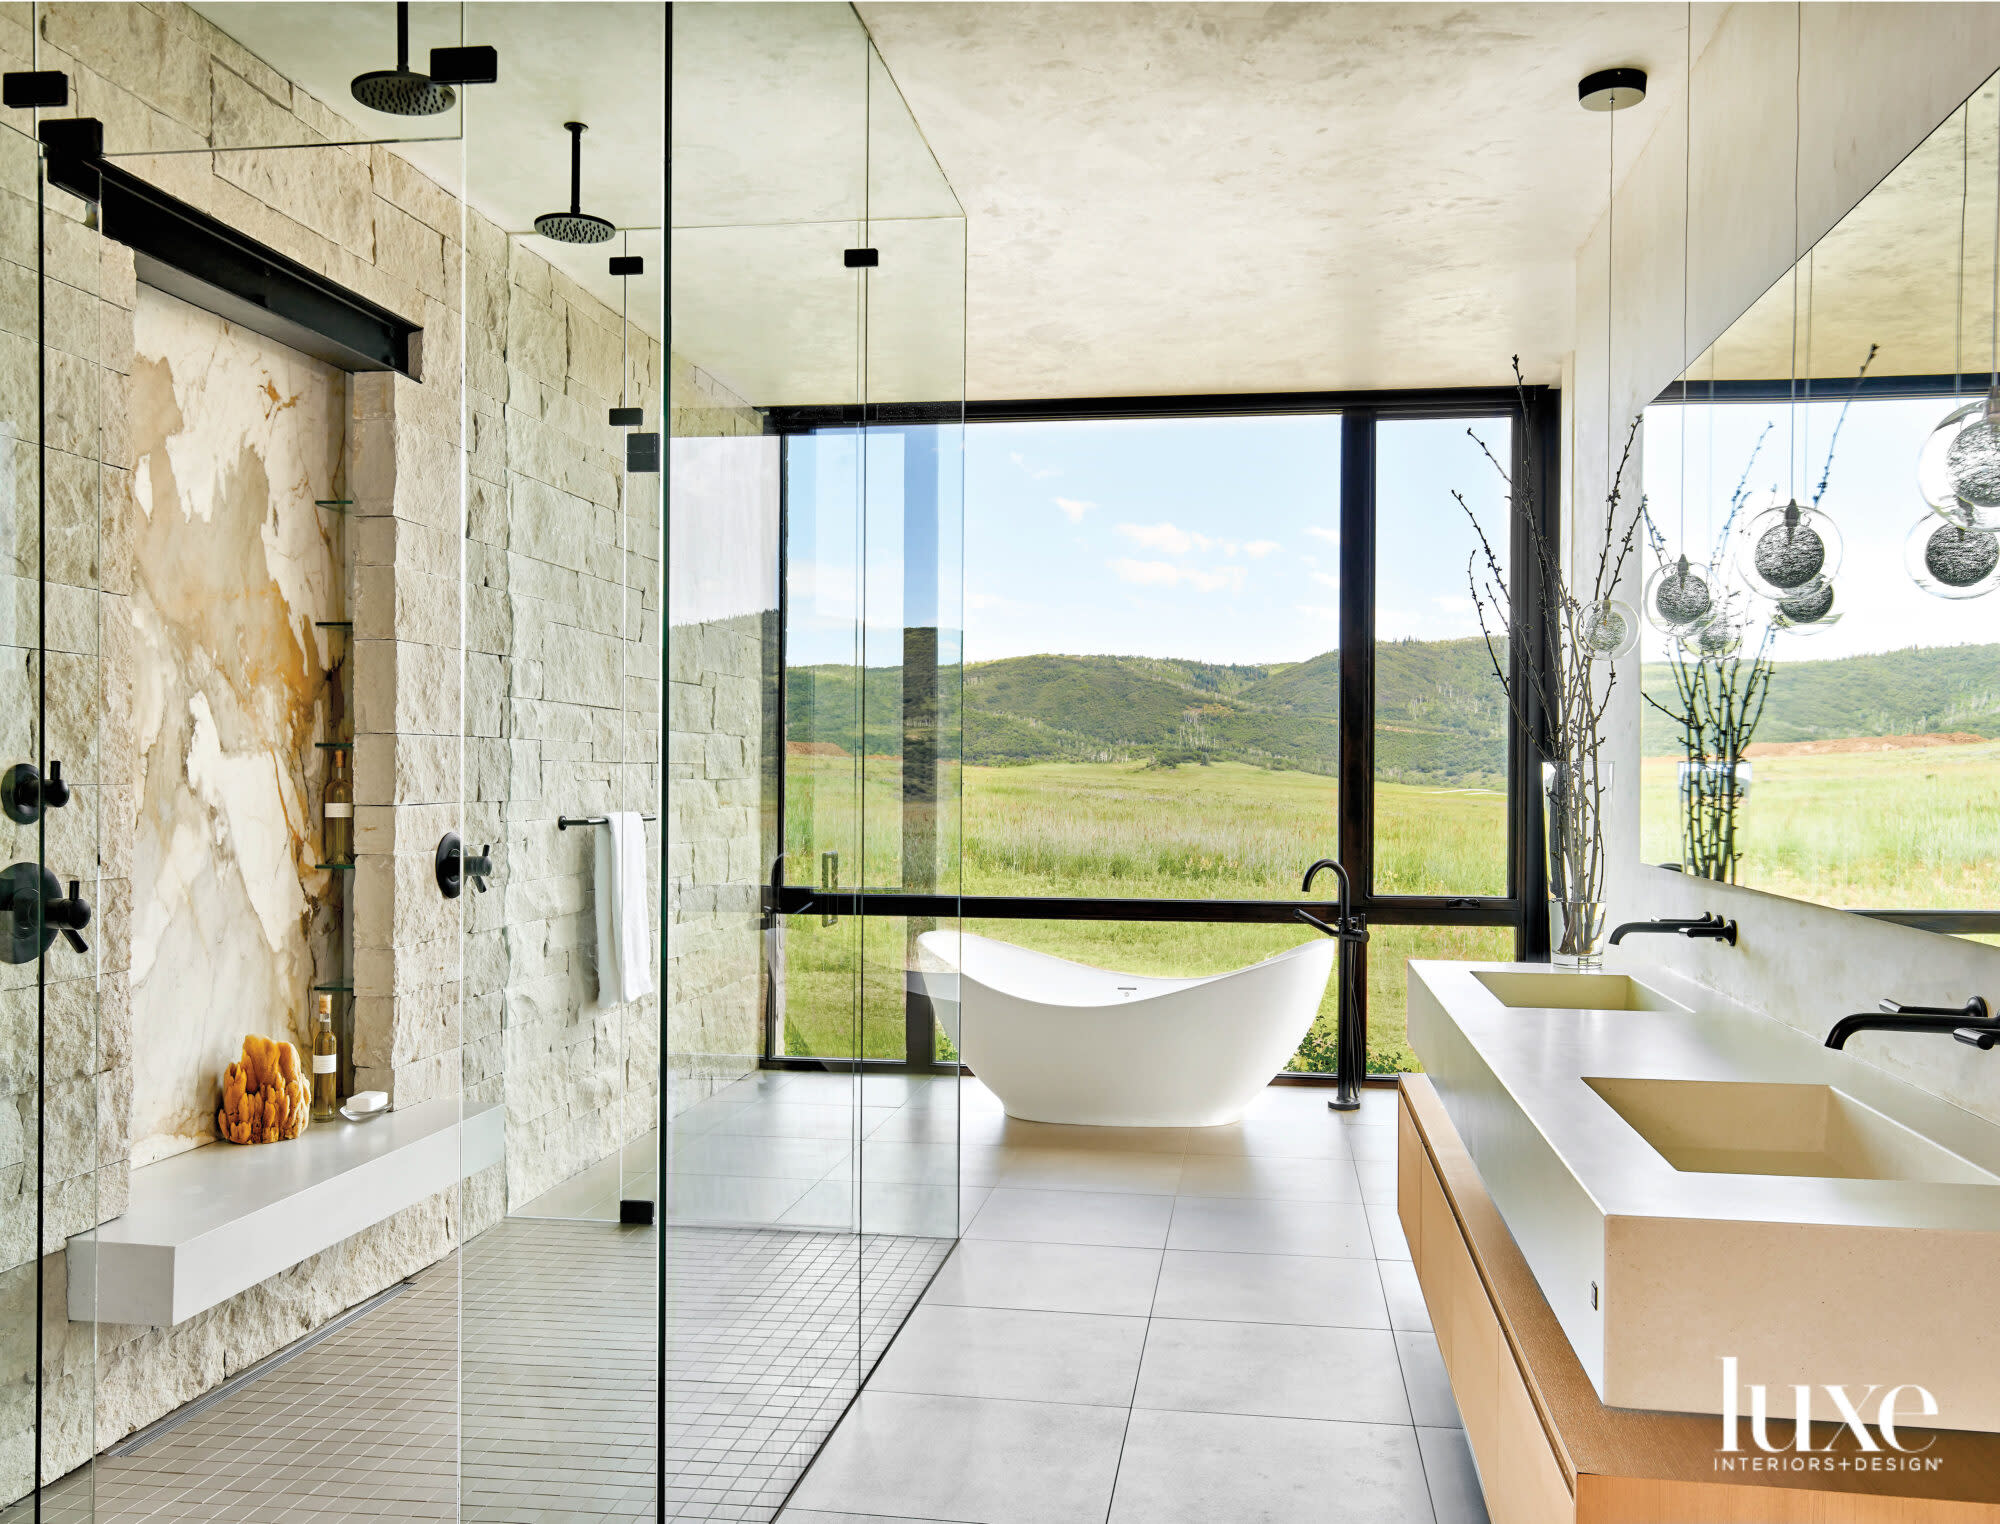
x,y
368,1100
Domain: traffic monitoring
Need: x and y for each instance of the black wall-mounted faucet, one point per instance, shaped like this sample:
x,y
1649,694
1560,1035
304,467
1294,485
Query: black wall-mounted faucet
x,y
1707,927
1971,1023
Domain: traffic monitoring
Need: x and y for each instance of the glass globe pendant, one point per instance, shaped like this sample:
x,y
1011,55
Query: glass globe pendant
x,y
1717,639
1609,627
1677,598
1785,550
1952,560
1958,470
1808,610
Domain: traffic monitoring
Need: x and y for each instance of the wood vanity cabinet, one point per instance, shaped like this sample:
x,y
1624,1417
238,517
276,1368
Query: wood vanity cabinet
x,y
1548,1451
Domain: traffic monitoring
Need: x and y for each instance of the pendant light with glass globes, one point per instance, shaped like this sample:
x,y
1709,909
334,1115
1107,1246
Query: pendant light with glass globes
x,y
1953,551
1677,597
1610,626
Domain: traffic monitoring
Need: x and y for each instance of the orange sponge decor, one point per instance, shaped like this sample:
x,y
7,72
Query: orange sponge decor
x,y
265,1097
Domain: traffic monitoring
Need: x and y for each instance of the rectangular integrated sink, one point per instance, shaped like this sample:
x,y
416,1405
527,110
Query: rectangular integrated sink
x,y
1724,1127
1523,991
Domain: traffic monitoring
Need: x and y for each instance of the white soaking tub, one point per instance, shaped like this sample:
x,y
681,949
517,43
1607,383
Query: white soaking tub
x,y
1064,1042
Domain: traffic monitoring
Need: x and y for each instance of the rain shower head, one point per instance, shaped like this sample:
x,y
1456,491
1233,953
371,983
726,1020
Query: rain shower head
x,y
401,91
575,225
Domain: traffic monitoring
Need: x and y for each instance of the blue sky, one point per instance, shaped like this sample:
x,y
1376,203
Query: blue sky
x,y
1217,539
1213,539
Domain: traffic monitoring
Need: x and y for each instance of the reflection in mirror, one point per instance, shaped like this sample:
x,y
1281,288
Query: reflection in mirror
x,y
1822,666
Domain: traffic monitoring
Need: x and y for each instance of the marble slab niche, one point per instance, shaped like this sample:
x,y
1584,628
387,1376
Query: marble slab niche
x,y
235,437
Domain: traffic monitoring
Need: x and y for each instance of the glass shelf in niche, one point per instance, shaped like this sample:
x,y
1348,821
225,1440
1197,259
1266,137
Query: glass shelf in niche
x,y
336,504
333,624
342,867
336,987
333,745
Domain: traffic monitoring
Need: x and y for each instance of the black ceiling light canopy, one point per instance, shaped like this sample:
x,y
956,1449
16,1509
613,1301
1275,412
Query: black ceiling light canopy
x,y
1611,89
402,91
575,225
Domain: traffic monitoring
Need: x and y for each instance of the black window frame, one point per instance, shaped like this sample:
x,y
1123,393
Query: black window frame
x,y
1534,413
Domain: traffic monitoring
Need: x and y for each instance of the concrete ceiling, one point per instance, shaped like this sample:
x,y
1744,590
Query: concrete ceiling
x,y
1168,198
1889,273
602,62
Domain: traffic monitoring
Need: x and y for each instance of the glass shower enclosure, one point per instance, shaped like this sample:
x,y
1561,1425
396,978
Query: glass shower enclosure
x,y
362,650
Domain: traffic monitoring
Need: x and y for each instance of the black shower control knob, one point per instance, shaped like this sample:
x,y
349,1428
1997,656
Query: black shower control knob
x,y
25,794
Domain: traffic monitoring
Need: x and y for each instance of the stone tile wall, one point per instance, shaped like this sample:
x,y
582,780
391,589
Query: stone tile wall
x,y
721,678
547,665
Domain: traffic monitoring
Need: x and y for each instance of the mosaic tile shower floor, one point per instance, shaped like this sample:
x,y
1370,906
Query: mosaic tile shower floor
x,y
769,1333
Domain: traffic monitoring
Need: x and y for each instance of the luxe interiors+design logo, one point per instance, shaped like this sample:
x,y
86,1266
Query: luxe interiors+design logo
x,y
1878,1448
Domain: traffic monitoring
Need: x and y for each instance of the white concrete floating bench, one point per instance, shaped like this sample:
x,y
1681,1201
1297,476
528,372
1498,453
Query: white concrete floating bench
x,y
206,1224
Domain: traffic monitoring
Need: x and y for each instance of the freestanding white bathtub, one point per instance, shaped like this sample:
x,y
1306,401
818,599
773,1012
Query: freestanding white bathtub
x,y
1063,1042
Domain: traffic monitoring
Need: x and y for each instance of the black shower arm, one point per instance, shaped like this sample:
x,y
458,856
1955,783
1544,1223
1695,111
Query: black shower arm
x,y
575,131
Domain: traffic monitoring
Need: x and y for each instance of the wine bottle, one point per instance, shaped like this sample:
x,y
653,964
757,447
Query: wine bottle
x,y
326,1063
337,833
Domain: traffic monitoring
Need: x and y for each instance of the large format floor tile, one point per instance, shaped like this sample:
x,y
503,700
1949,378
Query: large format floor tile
x,y
1453,1478
1273,1371
1075,1217
997,1352
1247,1225
1204,1468
1292,1289
1049,1277
969,1459
1241,1298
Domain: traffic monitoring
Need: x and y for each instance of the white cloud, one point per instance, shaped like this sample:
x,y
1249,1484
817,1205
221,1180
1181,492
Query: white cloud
x,y
1327,579
1175,542
1036,473
1166,574
1452,603
1073,508
1319,611
1258,549
1331,536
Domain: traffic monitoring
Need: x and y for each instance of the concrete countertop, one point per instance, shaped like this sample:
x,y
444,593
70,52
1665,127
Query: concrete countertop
x,y
1539,1056
1658,1274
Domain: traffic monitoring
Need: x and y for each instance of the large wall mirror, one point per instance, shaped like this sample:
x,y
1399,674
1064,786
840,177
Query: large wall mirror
x,y
1822,604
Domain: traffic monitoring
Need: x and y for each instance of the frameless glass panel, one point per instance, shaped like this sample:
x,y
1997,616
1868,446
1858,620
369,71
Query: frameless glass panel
x,y
1390,948
1151,690
1441,717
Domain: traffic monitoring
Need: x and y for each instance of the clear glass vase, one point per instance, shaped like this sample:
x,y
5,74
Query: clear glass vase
x,y
1576,933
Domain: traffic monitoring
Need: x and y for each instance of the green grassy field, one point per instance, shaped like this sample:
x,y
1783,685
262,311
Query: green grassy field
x,y
1229,831
1877,830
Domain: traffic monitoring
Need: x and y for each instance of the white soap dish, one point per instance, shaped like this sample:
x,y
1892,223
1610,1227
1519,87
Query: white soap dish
x,y
365,1105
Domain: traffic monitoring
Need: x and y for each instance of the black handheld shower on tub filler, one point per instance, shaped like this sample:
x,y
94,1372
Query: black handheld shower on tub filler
x,y
1351,1037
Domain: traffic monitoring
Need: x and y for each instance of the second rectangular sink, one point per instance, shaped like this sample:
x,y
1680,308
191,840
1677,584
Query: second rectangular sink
x,y
1522,991
1724,1127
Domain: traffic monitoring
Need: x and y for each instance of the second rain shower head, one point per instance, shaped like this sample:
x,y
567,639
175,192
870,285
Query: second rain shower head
x,y
402,91
575,225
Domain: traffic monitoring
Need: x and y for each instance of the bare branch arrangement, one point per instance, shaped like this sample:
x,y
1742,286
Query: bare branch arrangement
x,y
1565,687
1719,694
1719,701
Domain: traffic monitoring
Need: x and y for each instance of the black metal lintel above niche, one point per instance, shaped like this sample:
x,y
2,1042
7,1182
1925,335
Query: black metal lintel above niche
x,y
185,252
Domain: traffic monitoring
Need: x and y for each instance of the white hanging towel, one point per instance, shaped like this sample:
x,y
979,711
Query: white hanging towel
x,y
624,931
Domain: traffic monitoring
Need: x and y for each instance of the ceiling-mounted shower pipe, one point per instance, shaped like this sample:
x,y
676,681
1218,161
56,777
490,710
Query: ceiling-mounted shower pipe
x,y
575,225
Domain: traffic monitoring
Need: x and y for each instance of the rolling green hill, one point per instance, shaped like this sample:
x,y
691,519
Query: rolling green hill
x,y
1440,718
1919,691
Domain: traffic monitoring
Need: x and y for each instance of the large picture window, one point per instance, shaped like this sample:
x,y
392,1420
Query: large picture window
x,y
1204,645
